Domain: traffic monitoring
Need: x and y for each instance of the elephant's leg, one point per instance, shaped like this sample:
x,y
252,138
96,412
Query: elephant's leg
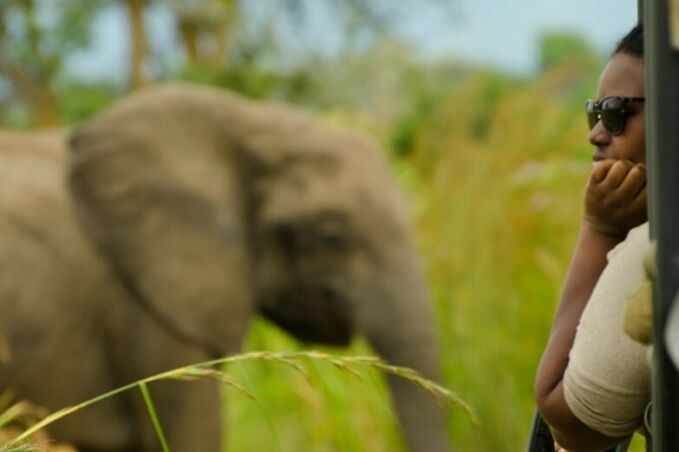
x,y
102,427
61,364
189,411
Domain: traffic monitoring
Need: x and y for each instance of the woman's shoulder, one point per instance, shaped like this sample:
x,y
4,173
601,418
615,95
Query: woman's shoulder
x,y
635,243
640,232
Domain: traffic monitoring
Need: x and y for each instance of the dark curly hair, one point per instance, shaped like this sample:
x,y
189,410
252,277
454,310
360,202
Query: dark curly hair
x,y
632,43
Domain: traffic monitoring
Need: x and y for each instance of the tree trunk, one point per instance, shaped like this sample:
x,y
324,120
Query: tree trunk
x,y
218,57
36,87
45,107
37,92
204,31
189,34
139,42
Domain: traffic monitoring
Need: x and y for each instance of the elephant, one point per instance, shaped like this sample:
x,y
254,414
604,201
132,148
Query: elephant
x,y
149,236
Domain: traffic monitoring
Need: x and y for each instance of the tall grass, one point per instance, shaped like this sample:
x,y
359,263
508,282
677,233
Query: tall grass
x,y
497,215
502,170
330,411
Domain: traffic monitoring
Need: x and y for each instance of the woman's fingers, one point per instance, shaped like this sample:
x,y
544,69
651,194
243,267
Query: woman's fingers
x,y
616,196
631,185
601,169
616,175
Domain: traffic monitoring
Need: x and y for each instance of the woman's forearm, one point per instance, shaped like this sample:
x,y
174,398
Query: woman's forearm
x,y
587,264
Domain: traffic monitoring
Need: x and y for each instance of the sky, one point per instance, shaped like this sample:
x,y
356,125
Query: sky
x,y
503,34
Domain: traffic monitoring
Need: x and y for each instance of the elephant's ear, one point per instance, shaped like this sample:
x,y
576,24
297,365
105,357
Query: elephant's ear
x,y
163,210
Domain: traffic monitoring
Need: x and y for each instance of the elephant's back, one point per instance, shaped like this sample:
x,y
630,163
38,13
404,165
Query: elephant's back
x,y
43,256
43,146
33,203
31,172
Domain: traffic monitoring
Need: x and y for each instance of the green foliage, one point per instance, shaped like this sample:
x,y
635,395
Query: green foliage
x,y
328,412
206,75
81,100
407,129
558,48
502,209
251,81
35,38
37,34
245,53
495,87
359,22
497,214
15,114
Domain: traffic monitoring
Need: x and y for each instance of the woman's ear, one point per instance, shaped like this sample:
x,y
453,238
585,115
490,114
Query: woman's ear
x,y
166,213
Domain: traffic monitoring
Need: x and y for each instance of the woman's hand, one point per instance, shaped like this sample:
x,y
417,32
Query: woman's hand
x,y
615,200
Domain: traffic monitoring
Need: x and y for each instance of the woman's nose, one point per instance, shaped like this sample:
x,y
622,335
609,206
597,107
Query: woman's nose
x,y
599,135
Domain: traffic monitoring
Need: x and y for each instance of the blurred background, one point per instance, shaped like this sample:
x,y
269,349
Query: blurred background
x,y
479,105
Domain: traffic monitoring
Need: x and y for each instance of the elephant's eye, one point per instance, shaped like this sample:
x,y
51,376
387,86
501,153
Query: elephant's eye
x,y
288,238
332,235
313,236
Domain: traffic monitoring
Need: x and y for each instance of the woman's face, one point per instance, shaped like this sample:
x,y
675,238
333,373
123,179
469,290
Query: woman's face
x,y
622,76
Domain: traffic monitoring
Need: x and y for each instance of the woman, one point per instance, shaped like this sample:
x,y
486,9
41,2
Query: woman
x,y
592,387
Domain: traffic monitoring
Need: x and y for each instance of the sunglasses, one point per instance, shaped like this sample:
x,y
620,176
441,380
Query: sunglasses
x,y
611,111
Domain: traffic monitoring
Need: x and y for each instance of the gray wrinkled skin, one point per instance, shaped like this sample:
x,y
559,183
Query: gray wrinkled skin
x,y
147,238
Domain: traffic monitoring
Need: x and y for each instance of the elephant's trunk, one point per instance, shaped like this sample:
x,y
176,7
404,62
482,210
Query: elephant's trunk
x,y
420,415
405,336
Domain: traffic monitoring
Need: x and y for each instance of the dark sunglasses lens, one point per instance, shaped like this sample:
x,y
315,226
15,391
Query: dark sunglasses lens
x,y
612,114
614,121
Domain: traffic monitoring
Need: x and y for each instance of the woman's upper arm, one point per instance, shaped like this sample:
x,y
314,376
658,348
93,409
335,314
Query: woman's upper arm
x,y
606,384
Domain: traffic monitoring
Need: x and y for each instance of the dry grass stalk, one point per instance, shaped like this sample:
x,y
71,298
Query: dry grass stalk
x,y
207,369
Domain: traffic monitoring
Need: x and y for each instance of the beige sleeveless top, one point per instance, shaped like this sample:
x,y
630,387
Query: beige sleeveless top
x,y
607,381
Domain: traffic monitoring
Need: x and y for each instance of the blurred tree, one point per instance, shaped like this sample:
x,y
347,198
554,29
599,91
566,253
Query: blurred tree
x,y
80,99
35,37
576,66
203,27
236,38
265,49
207,27
557,48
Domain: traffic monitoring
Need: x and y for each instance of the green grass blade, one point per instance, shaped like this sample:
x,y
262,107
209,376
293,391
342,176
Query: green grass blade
x,y
154,416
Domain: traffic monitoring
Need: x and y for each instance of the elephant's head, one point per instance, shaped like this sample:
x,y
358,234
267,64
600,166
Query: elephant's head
x,y
209,206
329,229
